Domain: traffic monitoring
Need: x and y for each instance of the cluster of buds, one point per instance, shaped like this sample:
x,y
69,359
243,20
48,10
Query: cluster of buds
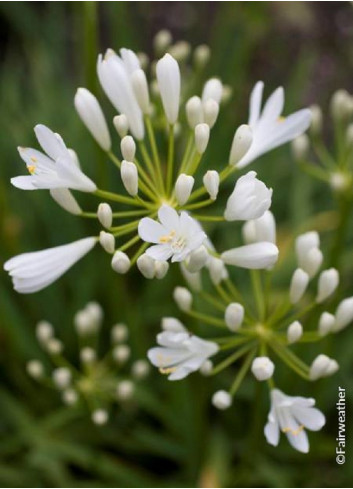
x,y
98,382
164,134
333,166
261,330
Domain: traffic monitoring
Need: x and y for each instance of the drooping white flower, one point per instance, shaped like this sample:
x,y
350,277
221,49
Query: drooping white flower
x,y
253,256
114,73
54,170
34,271
176,235
180,353
168,77
66,200
250,199
269,128
292,415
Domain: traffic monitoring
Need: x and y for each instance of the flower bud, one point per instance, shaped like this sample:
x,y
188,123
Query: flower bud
x,y
328,282
180,50
322,366
61,377
212,89
120,262
198,259
119,333
192,279
326,323
125,390
340,181
183,188
54,346
222,400
128,148
162,40
168,77
92,116
183,298
44,331
172,324
343,315
129,176
66,200
143,59
234,315
105,215
218,271
146,266
300,147
206,368
262,368
294,332
107,241
341,105
316,120
210,112
87,355
242,141
140,369
99,417
121,125
256,256
35,369
140,87
304,243
202,54
69,397
194,111
226,94
121,354
95,313
161,269
202,136
260,229
298,285
211,183
312,262
349,135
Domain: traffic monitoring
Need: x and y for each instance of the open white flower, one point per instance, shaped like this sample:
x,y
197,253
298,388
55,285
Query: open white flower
x,y
34,271
269,128
115,76
291,415
54,170
176,236
180,353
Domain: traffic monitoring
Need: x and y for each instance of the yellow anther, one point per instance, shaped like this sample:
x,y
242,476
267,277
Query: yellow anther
x,y
293,432
281,118
34,159
168,370
167,238
31,169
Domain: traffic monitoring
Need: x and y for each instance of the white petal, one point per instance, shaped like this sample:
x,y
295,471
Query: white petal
x,y
51,143
160,252
254,256
310,417
150,230
23,182
255,103
272,432
169,218
168,77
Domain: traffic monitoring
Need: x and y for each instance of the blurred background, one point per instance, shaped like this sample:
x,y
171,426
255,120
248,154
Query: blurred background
x,y
175,438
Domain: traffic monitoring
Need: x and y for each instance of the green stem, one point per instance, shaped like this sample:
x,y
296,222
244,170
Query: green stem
x,y
157,162
232,358
104,194
258,293
170,161
129,243
207,319
345,208
242,372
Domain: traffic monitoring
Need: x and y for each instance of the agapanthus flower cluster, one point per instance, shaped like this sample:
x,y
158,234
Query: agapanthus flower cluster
x,y
93,383
256,331
164,134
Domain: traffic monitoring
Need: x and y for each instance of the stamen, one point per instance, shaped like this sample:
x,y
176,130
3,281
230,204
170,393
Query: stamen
x,y
31,169
168,370
167,238
293,432
281,118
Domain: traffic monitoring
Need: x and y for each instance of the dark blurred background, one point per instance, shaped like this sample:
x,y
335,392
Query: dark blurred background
x,y
48,49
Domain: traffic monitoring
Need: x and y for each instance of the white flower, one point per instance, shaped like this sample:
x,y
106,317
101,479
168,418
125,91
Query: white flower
x,y
343,315
269,128
92,116
291,415
180,353
114,73
34,271
250,199
261,229
53,170
66,200
253,256
176,236
168,77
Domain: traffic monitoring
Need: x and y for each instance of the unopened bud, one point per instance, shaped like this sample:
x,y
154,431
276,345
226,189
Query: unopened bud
x,y
242,141
61,377
234,315
125,390
349,135
341,105
180,50
69,397
322,366
140,86
300,147
305,242
260,229
146,266
100,417
194,111
262,368
198,259
121,353
35,369
211,183
192,279
222,400
343,315
328,282
298,285
129,176
183,188
128,148
217,269
44,331
119,333
172,324
340,181
120,262
54,346
210,112
294,332
161,269
202,54
312,262
105,215
87,355
202,136
212,89
162,40
107,241
316,120
326,323
183,298
140,369
206,368
121,125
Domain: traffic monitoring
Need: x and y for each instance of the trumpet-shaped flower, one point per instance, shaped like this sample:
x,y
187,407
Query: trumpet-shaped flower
x,y
115,76
269,128
250,199
34,271
176,235
292,415
54,170
180,353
